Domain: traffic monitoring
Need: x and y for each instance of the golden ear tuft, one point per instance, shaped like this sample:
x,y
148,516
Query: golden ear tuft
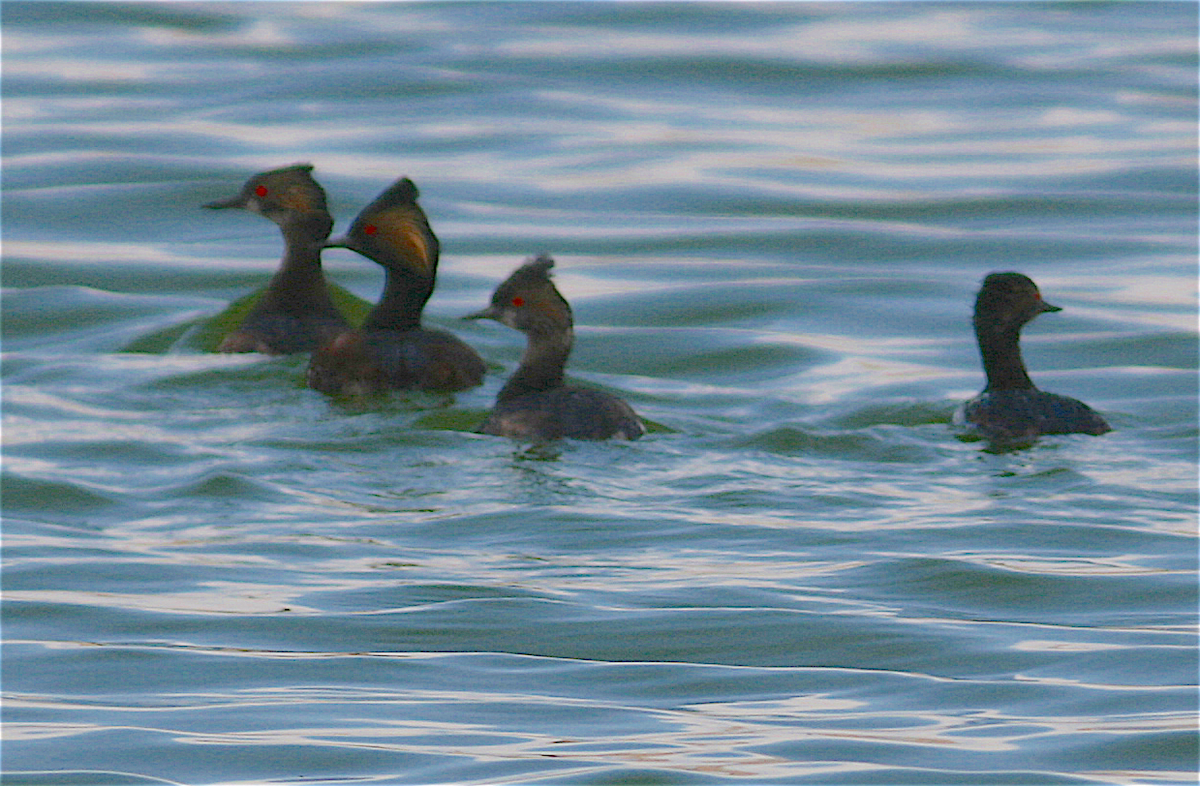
x,y
301,198
407,236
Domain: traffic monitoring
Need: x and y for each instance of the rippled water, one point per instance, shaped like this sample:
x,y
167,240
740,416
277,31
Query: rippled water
x,y
771,221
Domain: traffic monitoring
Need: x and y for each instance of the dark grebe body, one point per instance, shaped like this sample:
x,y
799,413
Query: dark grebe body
x,y
295,312
536,404
392,350
1010,408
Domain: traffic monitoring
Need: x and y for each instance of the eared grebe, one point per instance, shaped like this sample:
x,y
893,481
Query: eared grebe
x,y
392,350
1010,408
535,404
295,313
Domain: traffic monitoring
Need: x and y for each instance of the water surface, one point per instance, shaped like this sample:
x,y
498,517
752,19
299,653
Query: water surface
x,y
770,221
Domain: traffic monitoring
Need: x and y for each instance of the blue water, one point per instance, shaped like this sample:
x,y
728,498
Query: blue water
x,y
771,221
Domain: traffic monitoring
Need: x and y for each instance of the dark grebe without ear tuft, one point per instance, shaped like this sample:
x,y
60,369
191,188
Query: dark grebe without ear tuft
x,y
392,350
535,404
1010,409
295,313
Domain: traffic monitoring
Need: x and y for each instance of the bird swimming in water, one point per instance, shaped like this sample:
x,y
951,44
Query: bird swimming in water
x,y
295,312
536,404
392,350
1010,409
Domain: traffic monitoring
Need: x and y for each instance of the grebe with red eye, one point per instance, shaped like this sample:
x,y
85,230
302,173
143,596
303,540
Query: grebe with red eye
x,y
1010,409
392,350
536,404
295,313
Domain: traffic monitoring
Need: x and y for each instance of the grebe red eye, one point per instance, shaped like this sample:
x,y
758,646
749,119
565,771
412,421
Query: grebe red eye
x,y
261,191
518,301
370,229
